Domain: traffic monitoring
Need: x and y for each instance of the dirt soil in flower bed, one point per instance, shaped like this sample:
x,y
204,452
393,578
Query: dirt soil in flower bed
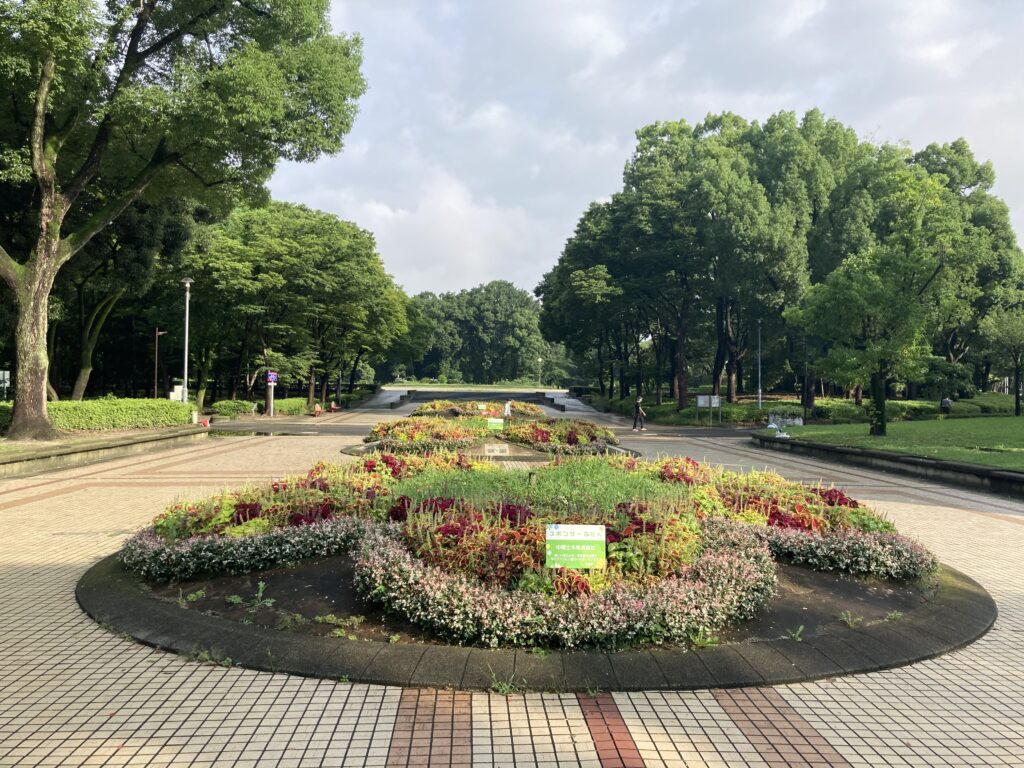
x,y
811,599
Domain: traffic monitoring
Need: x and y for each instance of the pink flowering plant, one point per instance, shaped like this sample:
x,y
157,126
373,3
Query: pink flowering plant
x,y
458,546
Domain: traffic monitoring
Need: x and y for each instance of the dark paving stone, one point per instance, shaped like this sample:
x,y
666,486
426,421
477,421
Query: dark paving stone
x,y
770,663
441,666
901,646
728,667
485,667
541,672
637,671
873,644
682,669
842,653
588,670
808,659
395,664
921,637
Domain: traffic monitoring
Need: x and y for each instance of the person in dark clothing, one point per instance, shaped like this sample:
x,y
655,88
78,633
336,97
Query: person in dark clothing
x,y
638,415
945,405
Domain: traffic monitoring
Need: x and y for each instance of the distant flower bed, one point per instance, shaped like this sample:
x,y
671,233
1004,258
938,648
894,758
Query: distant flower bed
x,y
489,408
458,546
420,434
567,436
425,434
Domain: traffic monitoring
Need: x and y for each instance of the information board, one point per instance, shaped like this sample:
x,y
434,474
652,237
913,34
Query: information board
x,y
496,424
574,546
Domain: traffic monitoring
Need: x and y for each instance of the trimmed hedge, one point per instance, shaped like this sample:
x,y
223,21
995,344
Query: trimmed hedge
x,y
291,406
110,413
233,408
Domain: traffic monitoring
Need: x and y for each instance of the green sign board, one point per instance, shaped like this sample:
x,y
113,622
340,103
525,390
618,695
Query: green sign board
x,y
496,424
574,546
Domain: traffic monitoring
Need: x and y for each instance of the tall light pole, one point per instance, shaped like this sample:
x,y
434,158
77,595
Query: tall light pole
x,y
759,364
540,371
156,358
187,282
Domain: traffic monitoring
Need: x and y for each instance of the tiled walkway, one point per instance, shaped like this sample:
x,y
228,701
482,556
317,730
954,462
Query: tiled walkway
x,y
72,693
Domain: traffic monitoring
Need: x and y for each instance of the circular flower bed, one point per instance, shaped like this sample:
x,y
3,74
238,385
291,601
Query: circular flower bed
x,y
427,434
457,546
568,436
420,434
489,408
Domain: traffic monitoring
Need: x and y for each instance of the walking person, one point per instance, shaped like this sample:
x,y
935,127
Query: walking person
x,y
638,415
508,410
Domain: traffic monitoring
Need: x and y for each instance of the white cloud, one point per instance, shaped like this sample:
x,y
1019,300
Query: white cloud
x,y
489,127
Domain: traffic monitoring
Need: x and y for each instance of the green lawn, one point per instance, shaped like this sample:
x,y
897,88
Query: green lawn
x,y
832,409
996,441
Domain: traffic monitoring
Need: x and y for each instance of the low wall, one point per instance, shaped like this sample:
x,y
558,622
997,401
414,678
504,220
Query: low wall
x,y
975,476
90,453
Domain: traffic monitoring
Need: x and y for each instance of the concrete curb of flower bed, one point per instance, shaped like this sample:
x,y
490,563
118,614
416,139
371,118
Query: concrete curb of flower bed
x,y
960,613
978,477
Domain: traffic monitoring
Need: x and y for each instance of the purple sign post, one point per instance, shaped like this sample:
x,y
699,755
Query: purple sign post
x,y
271,383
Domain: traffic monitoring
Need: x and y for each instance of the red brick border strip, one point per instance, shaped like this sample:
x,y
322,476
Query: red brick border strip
x,y
614,744
432,728
778,732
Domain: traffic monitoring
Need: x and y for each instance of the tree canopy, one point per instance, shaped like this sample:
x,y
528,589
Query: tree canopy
x,y
107,103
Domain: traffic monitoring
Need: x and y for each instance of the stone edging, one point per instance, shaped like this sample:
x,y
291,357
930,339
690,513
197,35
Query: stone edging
x,y
101,450
960,613
974,476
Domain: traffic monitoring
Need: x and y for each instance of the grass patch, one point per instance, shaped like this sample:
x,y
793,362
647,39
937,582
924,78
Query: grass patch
x,y
996,441
836,410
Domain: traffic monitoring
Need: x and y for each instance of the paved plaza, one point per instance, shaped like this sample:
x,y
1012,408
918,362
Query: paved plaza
x,y
74,693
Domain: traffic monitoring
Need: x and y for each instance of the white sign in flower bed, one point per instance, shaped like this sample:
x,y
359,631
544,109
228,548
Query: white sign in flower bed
x,y
574,546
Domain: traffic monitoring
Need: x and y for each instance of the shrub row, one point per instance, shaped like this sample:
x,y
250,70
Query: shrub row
x,y
110,413
233,408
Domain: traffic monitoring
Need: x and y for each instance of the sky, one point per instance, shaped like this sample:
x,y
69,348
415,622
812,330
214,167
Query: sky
x,y
489,126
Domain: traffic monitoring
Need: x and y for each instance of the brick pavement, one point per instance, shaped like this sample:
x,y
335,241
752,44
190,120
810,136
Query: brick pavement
x,y
72,693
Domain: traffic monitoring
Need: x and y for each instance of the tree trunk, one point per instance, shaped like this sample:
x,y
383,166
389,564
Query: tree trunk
x,y
311,389
51,393
858,395
1016,386
639,367
30,420
876,409
681,381
352,373
720,349
90,333
600,367
323,390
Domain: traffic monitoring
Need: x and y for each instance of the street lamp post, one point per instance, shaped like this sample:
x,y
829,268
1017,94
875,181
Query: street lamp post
x,y
759,364
156,358
540,371
187,282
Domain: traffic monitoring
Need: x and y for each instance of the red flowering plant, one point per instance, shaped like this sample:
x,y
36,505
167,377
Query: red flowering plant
x,y
561,436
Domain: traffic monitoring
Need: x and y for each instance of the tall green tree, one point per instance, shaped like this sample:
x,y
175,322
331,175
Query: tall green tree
x,y
110,102
877,308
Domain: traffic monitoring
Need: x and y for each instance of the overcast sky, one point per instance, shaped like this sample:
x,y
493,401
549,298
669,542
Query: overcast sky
x,y
489,126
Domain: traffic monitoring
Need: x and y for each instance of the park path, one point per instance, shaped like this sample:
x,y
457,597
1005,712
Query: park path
x,y
73,693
